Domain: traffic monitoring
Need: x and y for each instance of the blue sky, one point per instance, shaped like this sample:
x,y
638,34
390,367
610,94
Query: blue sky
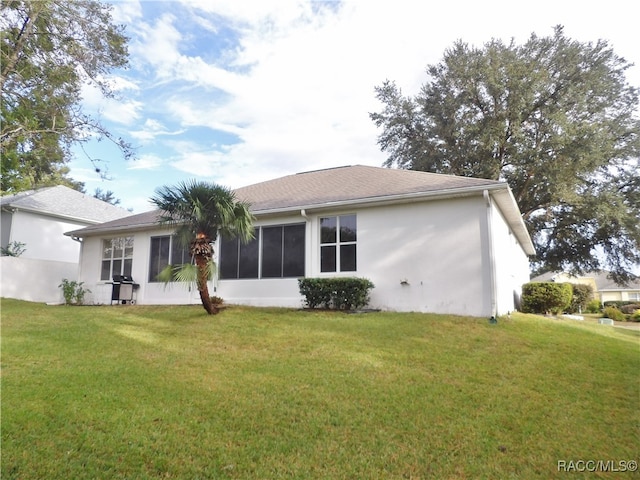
x,y
241,91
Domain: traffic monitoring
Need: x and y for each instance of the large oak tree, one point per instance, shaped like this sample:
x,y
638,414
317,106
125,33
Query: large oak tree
x,y
553,117
48,50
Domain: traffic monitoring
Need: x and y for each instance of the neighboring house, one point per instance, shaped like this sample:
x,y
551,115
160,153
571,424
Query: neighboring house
x,y
429,243
38,219
604,289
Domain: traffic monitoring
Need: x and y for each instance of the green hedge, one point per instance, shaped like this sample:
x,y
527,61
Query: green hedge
x,y
546,297
343,293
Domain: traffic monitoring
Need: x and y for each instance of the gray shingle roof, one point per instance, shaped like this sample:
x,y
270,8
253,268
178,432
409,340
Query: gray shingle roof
x,y
132,222
342,185
61,201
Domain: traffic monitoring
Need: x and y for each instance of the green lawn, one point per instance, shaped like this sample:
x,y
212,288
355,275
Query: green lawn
x,y
170,393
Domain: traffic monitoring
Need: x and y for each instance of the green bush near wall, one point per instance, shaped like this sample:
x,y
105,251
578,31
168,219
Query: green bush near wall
x,y
614,314
343,293
546,297
582,295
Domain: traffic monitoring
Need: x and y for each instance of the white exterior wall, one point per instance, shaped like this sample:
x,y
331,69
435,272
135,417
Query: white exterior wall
x,y
511,264
440,248
437,246
35,280
620,295
149,293
43,236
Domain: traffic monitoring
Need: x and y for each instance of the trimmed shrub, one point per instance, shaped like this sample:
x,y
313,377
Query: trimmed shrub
x,y
635,317
614,314
342,293
582,294
546,297
317,292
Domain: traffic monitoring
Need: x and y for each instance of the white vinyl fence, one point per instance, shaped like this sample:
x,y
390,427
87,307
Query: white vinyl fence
x,y
34,280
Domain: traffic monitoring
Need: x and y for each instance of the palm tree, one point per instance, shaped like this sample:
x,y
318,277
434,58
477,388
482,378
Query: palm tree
x,y
199,211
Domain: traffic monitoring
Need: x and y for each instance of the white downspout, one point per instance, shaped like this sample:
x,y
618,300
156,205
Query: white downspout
x,y
308,258
492,260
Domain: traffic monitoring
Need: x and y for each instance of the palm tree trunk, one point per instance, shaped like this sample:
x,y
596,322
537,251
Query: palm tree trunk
x,y
202,253
203,287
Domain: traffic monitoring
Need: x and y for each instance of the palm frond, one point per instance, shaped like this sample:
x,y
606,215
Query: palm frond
x,y
186,273
204,208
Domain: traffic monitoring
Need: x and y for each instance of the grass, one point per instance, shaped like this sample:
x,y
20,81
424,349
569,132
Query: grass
x,y
141,392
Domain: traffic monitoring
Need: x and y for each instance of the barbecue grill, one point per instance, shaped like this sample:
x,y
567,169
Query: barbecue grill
x,y
123,289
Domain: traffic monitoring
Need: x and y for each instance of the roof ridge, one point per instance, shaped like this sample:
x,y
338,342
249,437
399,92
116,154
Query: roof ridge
x,y
326,169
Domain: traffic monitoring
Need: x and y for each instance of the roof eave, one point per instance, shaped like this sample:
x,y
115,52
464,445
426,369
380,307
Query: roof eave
x,y
509,208
102,231
501,192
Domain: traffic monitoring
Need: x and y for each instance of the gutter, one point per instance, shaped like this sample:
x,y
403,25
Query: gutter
x,y
492,259
123,228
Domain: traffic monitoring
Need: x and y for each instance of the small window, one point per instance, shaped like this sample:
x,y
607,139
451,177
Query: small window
x,y
117,257
338,236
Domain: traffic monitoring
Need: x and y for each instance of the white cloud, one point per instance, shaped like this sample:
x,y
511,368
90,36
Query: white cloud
x,y
121,84
294,83
126,12
146,162
265,16
305,102
151,129
118,110
157,45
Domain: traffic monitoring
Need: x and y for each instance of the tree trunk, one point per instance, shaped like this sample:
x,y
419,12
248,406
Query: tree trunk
x,y
206,301
202,253
203,287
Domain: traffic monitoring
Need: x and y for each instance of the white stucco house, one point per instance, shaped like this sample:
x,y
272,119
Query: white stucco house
x,y
429,243
38,219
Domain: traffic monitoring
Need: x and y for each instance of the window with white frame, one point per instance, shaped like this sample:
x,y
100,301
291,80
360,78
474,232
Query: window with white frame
x,y
166,250
117,257
338,236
